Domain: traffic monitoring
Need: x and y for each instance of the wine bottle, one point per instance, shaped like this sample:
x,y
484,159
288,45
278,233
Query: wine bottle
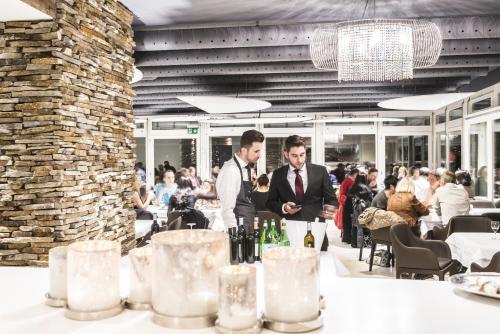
x,y
250,244
263,238
256,236
309,237
241,241
155,227
284,241
233,240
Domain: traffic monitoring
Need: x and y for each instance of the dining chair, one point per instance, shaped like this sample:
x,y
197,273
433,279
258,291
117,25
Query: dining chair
x,y
379,236
481,203
492,215
492,267
469,223
417,256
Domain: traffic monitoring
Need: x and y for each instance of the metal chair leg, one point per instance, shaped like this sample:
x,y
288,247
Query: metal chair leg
x,y
372,253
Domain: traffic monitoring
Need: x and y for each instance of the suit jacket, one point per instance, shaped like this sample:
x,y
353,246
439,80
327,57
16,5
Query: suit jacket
x,y
319,191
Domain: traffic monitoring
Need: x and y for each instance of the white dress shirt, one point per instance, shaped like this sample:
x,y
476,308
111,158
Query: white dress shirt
x,y
228,187
291,176
450,200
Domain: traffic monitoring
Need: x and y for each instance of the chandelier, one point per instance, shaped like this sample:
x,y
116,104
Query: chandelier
x,y
375,50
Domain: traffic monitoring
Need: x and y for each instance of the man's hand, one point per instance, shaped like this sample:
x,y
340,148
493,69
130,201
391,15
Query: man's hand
x,y
288,208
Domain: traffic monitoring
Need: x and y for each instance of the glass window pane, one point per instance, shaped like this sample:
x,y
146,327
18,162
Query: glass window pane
x,y
222,149
411,121
496,142
290,125
358,149
478,158
441,118
480,105
139,125
455,139
140,153
180,153
441,149
406,151
173,125
456,114
274,153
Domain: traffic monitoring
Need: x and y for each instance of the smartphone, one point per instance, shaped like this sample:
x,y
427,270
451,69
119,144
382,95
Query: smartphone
x,y
296,206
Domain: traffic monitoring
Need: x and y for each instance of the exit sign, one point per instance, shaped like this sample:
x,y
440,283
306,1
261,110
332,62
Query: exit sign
x,y
192,131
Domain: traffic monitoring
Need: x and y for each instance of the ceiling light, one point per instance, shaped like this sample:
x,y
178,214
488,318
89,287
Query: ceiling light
x,y
356,120
375,50
137,75
429,102
225,104
264,120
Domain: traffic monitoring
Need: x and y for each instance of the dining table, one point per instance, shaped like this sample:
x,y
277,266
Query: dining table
x,y
473,247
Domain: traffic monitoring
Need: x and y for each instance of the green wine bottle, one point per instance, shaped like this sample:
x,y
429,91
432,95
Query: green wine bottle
x,y
309,237
263,237
284,235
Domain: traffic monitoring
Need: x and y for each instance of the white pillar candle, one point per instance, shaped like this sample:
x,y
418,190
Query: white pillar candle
x,y
237,297
185,268
57,272
140,275
93,275
291,280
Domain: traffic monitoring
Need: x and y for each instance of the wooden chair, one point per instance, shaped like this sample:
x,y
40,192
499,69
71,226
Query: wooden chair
x,y
493,266
417,256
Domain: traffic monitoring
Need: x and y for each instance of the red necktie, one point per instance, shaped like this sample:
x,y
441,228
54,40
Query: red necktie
x,y
299,187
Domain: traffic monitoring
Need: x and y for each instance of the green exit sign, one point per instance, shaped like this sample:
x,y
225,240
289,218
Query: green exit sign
x,y
192,131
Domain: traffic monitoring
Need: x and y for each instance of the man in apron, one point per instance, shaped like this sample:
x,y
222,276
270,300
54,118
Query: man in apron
x,y
234,183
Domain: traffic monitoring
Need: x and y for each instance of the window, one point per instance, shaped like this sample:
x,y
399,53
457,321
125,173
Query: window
x,y
441,149
411,121
274,153
222,149
480,105
455,153
441,118
180,153
358,149
496,143
139,125
290,125
140,153
406,151
478,158
173,125
456,113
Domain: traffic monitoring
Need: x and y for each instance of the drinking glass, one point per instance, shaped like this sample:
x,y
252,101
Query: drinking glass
x,y
191,225
495,224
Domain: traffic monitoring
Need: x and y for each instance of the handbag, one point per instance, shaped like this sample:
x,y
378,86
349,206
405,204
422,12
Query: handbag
x,y
380,258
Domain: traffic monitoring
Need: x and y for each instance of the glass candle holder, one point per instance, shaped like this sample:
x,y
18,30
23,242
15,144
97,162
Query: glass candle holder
x,y
58,272
93,275
140,275
291,281
237,297
185,268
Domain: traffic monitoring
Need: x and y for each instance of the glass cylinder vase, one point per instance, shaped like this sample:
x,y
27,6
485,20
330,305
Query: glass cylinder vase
x,y
185,268
237,297
140,275
93,275
58,272
291,281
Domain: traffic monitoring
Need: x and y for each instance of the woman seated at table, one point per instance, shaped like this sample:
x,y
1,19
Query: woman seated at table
x,y
166,188
184,196
406,205
141,202
206,197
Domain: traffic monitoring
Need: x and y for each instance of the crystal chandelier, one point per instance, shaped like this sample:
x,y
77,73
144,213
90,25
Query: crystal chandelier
x,y
376,50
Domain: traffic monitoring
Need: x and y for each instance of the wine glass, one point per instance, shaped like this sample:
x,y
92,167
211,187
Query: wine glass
x,y
495,224
191,225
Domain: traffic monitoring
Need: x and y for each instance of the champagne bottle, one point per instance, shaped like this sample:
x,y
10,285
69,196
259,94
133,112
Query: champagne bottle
x,y
256,236
273,235
284,241
250,244
309,237
263,238
241,241
233,241
155,227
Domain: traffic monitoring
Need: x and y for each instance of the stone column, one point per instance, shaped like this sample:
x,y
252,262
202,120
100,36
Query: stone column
x,y
66,130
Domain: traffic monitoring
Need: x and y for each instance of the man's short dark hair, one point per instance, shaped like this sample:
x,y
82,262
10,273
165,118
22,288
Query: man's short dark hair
x,y
354,171
372,170
249,137
294,141
390,180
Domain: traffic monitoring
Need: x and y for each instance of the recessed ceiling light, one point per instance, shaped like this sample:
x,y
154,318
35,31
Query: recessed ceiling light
x,y
137,75
429,102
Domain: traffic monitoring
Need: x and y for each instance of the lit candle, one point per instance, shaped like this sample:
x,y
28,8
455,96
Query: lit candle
x,y
237,297
93,275
57,271
185,266
140,275
291,280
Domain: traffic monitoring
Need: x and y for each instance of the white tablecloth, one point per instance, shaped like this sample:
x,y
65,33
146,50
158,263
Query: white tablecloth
x,y
473,247
480,211
415,307
214,215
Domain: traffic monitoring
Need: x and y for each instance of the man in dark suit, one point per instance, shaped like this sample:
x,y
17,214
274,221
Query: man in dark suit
x,y
301,183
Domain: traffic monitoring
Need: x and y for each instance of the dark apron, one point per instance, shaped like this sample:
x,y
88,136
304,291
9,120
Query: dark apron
x,y
244,207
